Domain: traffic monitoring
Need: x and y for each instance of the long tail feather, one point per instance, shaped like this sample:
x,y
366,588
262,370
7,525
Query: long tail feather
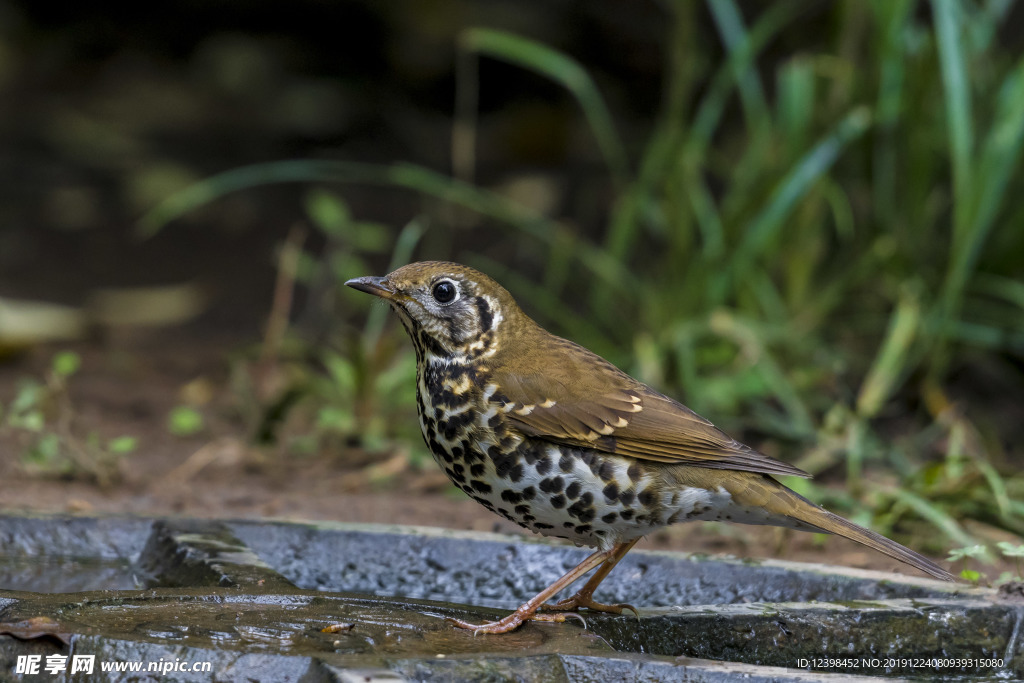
x,y
809,513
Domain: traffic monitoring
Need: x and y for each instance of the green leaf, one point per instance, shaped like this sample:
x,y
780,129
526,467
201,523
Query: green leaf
x,y
342,372
335,419
329,213
29,397
1010,550
184,421
122,444
970,575
66,363
971,551
31,420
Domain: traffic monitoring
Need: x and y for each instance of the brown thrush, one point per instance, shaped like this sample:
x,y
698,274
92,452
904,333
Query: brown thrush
x,y
558,440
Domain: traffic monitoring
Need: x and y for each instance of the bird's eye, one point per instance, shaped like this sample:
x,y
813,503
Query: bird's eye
x,y
444,292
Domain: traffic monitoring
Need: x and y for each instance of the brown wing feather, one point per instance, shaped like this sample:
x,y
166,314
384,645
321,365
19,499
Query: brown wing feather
x,y
585,401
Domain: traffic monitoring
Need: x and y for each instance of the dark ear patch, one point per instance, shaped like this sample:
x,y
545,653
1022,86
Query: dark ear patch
x,y
486,317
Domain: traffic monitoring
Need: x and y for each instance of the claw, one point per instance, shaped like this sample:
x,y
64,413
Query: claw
x,y
578,601
513,621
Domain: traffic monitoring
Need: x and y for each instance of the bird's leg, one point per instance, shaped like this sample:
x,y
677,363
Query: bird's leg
x,y
528,610
585,596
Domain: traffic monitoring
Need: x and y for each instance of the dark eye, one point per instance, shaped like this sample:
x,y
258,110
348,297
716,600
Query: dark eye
x,y
444,292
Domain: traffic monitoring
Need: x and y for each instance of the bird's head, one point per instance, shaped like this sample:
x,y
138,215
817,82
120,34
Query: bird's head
x,y
449,310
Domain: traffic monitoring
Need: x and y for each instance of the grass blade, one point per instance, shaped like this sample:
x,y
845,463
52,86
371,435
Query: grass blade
x,y
957,97
563,70
999,157
790,190
408,176
890,365
932,513
729,21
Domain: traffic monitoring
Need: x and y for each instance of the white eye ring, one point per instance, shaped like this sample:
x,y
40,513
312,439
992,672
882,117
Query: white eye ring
x,y
445,292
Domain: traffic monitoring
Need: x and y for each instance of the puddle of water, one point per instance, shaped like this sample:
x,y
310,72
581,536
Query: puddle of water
x,y
67,575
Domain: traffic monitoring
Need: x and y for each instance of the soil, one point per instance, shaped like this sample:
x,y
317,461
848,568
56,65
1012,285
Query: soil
x,y
129,385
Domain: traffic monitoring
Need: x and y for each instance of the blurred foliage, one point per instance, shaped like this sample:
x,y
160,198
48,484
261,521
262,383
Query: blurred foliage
x,y
41,418
352,386
819,242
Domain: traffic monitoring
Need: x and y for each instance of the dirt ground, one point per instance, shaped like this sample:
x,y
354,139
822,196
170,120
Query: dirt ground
x,y
128,386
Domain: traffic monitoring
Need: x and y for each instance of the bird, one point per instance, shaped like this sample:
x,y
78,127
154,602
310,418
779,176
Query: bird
x,y
555,438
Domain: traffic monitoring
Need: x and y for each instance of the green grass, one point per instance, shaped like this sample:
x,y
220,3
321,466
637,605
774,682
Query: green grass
x,y
812,269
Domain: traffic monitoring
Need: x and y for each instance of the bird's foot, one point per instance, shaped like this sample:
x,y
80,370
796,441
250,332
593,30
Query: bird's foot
x,y
514,621
586,601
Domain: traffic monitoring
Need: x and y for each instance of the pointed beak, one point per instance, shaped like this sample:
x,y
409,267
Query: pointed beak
x,y
372,285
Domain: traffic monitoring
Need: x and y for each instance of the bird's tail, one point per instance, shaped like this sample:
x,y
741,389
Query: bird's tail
x,y
803,510
789,509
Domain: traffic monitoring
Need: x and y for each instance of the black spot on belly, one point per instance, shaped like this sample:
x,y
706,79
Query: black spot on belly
x,y
634,471
573,492
477,470
531,453
611,492
626,497
558,502
543,466
516,473
542,525
495,420
522,510
626,515
582,529
646,497
457,423
581,511
437,449
481,486
568,525
609,518
503,462
510,496
567,463
552,485
529,492
592,460
607,470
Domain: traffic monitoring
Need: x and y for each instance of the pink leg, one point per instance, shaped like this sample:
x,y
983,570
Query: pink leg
x,y
528,610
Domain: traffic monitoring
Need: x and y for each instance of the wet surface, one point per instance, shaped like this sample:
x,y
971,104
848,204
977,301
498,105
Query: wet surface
x,y
328,602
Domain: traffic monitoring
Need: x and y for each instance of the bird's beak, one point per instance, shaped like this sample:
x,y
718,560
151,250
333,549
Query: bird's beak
x,y
372,285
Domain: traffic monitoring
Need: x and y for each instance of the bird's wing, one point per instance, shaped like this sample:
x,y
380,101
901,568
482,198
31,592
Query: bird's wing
x,y
587,402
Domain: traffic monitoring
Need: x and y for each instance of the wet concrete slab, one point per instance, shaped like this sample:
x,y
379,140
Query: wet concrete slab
x,y
332,602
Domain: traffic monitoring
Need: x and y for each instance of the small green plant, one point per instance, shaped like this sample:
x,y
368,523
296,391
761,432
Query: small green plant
x,y
975,552
1008,549
42,418
353,387
185,421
